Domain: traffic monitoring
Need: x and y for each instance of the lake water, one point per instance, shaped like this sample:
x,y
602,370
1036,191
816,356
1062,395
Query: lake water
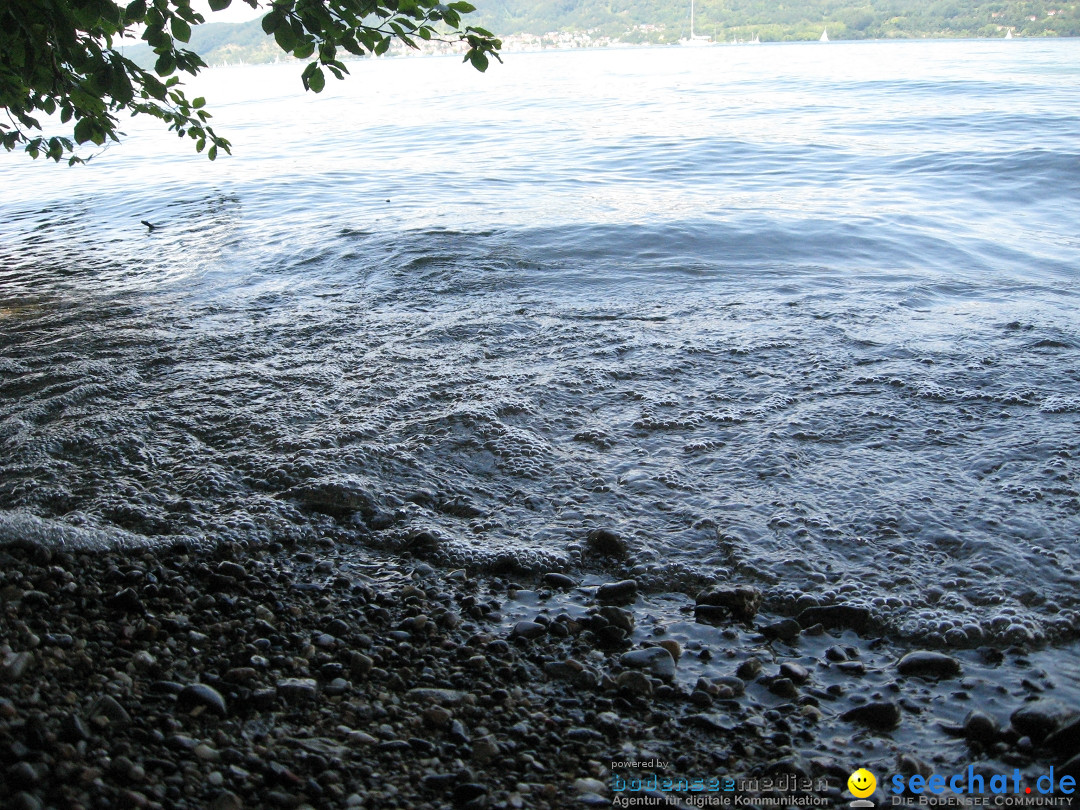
x,y
803,316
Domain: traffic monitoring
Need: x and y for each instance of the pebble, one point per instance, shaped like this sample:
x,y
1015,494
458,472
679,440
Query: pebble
x,y
444,697
749,669
742,601
928,664
559,581
842,617
882,715
783,687
196,695
227,800
25,801
607,543
656,660
1066,740
1040,718
634,682
784,630
980,727
796,672
528,630
297,690
126,601
109,708
617,593
14,665
22,775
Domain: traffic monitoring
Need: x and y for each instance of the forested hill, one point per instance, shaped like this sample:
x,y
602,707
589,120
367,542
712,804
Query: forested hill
x,y
778,20
523,23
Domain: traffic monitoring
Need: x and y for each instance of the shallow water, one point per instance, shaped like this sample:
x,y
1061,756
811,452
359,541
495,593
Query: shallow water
x,y
799,315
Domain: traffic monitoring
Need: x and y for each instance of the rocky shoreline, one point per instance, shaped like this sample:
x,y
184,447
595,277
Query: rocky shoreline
x,y
230,678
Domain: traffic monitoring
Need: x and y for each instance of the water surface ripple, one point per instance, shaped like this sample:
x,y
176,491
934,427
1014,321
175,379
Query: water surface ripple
x,y
803,316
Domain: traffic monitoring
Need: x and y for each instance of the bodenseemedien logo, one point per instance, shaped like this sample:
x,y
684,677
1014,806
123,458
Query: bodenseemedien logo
x,y
862,784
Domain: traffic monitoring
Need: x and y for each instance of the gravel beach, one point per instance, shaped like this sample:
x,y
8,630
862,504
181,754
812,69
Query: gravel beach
x,y
183,678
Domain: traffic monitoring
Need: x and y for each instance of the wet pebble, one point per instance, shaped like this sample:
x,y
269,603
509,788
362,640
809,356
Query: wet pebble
x,y
297,690
656,660
843,617
796,672
560,581
783,630
527,630
980,727
14,665
928,664
741,601
1040,718
195,695
882,715
617,593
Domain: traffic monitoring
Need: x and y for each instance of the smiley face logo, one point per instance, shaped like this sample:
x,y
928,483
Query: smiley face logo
x,y
861,783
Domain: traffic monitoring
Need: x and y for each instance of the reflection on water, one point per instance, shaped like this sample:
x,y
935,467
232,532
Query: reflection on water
x,y
810,325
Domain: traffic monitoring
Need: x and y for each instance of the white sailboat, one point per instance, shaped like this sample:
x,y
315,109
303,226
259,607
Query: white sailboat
x,y
695,40
1008,34
824,36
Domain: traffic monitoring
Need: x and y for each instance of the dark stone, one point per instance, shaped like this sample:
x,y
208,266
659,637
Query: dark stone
x,y
981,728
607,543
73,729
783,687
231,569
297,690
749,669
108,707
617,593
928,664
126,601
743,601
336,497
1066,740
458,734
25,801
843,617
656,660
560,581
199,694
1039,719
467,792
528,630
881,715
424,748
783,630
22,775
797,672
438,782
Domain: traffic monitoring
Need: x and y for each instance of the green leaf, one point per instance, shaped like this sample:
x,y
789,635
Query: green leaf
x,y
317,80
285,38
199,103
219,5
180,29
166,64
83,130
463,7
212,154
479,60
271,21
135,11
